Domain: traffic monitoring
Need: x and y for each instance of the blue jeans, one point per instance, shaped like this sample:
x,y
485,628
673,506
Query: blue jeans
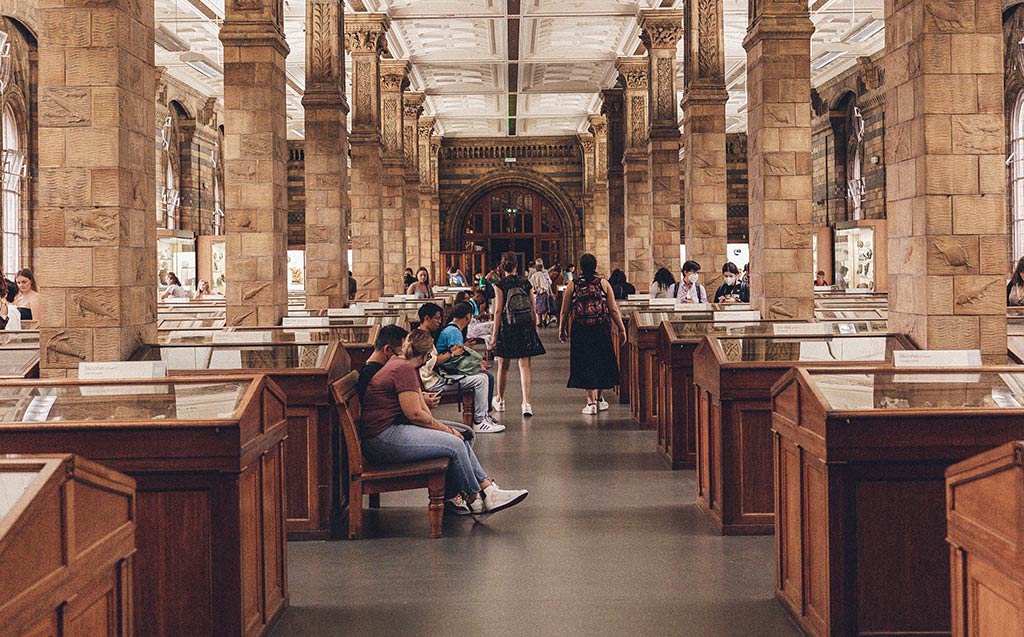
x,y
477,383
409,443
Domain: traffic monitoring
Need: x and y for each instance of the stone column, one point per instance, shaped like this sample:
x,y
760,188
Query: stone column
x,y
413,103
589,228
613,111
394,79
779,158
326,155
704,96
364,39
96,190
599,128
428,249
662,29
435,207
945,176
636,188
255,163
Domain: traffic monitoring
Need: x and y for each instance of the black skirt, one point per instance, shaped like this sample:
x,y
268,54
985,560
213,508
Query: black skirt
x,y
518,341
592,361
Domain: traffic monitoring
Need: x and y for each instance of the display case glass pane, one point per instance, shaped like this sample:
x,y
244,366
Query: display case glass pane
x,y
239,356
17,338
855,249
952,389
120,402
15,361
809,348
13,485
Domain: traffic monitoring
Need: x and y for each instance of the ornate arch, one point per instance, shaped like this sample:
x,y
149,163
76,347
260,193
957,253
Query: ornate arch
x,y
568,213
24,12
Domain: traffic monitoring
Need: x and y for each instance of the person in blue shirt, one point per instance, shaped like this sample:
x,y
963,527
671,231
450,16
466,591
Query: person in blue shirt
x,y
453,335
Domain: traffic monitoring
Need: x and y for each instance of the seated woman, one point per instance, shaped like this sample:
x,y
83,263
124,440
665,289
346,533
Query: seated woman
x,y
396,426
731,290
421,288
28,295
202,290
664,285
173,288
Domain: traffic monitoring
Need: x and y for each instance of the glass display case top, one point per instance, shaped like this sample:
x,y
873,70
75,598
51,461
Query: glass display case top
x,y
120,401
234,356
655,319
857,314
13,485
191,324
905,389
839,348
14,362
695,330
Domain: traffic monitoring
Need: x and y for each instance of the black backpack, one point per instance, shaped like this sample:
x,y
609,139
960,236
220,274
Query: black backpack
x,y
518,308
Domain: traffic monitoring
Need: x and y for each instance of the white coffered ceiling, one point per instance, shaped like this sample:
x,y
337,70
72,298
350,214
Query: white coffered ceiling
x,y
563,54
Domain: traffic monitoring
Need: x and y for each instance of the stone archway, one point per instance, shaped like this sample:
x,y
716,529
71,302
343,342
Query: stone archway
x,y
562,204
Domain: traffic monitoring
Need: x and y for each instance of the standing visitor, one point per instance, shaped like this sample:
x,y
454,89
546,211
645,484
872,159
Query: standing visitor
x,y
541,283
620,285
570,273
731,290
1015,288
589,303
820,280
664,285
351,286
515,331
689,290
28,295
841,281
421,288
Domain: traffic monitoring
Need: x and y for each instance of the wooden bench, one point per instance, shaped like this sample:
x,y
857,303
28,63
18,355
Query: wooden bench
x,y
376,479
466,400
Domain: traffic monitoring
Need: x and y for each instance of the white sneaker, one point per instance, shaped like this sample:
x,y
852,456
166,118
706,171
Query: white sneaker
x,y
477,507
499,405
458,506
602,404
496,499
590,409
527,409
488,426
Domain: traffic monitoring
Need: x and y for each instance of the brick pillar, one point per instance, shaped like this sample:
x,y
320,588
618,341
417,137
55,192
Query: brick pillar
x,y
326,168
599,128
613,111
945,177
410,145
589,225
636,186
435,208
779,158
255,163
704,96
662,29
96,191
364,39
428,249
394,79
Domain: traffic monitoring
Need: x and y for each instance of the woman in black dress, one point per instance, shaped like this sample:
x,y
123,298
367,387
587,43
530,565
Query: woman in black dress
x,y
515,331
589,303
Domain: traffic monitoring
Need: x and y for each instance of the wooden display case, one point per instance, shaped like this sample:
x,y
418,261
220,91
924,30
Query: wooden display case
x,y
860,457
356,339
207,457
985,531
673,374
67,536
19,361
304,373
733,378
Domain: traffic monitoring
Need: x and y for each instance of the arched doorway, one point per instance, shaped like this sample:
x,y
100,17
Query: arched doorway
x,y
514,219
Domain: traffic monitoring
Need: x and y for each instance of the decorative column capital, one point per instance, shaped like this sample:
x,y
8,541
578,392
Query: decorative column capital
x,y
394,78
598,124
634,71
413,104
365,33
587,143
425,128
777,19
661,28
394,75
611,102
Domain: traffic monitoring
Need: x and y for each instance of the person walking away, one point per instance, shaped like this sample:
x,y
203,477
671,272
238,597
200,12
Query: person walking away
x,y
589,303
731,288
515,331
689,290
540,281
664,285
620,285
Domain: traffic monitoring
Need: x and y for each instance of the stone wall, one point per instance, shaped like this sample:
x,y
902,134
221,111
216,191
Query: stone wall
x,y
465,160
296,194
736,184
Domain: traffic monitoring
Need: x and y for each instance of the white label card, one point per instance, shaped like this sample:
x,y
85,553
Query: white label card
x,y
937,358
737,315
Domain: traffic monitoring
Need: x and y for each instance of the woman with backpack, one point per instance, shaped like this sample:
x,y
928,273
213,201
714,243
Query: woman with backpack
x,y
515,331
589,303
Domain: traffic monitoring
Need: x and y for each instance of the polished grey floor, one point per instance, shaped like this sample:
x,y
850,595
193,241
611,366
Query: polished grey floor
x,y
609,542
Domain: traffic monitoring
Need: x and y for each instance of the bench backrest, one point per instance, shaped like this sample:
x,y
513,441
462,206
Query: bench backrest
x,y
347,403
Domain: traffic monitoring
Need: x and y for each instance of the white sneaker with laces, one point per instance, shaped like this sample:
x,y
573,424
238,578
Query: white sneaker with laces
x,y
590,409
499,405
458,506
496,499
477,507
488,426
602,404
527,409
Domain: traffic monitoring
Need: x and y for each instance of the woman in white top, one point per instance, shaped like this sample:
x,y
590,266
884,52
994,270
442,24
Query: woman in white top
x,y
28,293
421,289
173,288
664,285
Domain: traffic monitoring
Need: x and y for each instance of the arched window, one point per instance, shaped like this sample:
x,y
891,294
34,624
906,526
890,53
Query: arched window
x,y
13,169
1017,176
